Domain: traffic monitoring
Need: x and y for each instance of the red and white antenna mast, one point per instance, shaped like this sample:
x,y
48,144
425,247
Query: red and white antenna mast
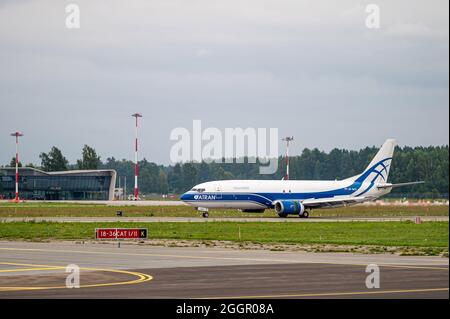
x,y
17,135
287,140
136,191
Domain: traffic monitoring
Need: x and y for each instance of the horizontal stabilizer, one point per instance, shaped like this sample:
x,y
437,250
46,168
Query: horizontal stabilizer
x,y
389,185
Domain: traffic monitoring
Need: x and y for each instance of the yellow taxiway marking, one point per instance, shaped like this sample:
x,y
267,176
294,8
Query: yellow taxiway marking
x,y
140,276
223,258
26,265
29,269
329,294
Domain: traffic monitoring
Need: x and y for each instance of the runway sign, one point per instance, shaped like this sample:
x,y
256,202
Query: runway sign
x,y
121,233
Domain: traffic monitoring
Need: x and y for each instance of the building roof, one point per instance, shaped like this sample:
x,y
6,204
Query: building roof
x,y
31,171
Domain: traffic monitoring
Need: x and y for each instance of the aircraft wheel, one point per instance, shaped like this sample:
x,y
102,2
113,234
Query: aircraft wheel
x,y
305,214
205,215
282,215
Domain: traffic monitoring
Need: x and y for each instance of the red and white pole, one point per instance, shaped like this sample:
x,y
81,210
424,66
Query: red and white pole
x,y
287,140
136,169
287,161
17,135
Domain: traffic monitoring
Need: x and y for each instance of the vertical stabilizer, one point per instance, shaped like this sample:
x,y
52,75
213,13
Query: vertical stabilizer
x,y
378,169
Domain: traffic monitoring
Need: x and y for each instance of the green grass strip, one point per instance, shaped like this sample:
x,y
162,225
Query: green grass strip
x,y
427,234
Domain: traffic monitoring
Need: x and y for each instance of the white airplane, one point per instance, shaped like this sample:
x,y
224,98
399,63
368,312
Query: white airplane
x,y
297,197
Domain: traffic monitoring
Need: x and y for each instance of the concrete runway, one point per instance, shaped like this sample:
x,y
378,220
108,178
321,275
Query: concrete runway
x,y
220,219
139,271
109,202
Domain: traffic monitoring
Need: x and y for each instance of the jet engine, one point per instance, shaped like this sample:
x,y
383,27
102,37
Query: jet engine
x,y
285,207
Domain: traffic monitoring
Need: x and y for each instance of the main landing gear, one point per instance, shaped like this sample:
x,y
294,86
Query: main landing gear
x,y
304,215
204,211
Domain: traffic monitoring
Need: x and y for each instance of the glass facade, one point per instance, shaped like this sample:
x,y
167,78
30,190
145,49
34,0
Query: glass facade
x,y
70,185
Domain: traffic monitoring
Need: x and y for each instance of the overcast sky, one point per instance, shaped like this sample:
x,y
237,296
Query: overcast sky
x,y
311,68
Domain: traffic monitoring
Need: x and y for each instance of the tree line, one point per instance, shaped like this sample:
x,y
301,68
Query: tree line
x,y
410,164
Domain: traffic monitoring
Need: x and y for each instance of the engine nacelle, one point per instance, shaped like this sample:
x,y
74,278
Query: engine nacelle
x,y
289,207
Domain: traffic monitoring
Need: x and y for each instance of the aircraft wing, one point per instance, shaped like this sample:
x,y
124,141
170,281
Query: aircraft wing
x,y
334,202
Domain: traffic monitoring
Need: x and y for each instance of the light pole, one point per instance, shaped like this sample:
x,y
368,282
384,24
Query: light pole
x,y
136,191
17,135
287,140
125,188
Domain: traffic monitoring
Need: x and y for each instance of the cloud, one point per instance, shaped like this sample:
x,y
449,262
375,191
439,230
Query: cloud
x,y
311,68
413,30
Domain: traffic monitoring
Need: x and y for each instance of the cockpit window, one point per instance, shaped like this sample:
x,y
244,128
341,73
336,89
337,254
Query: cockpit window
x,y
198,190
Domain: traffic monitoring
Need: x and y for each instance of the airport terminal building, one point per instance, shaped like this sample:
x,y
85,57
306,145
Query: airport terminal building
x,y
66,185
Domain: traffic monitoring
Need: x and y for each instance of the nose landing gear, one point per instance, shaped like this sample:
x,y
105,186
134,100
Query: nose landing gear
x,y
204,211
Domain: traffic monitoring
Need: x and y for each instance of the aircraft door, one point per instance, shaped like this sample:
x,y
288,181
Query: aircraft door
x,y
218,191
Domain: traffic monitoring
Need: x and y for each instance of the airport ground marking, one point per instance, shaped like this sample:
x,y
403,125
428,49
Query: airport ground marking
x,y
33,267
227,258
28,269
330,294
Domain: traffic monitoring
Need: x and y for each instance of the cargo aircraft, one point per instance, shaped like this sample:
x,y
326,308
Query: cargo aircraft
x,y
297,197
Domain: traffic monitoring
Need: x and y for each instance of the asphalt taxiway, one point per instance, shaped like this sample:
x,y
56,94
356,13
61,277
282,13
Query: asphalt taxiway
x,y
37,270
220,219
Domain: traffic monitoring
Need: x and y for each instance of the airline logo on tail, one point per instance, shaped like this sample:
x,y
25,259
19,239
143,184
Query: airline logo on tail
x,y
377,170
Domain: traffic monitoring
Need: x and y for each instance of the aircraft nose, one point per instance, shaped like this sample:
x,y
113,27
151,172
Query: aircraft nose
x,y
184,197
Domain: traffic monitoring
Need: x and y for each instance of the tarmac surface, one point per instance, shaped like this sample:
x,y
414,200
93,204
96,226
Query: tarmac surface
x,y
220,219
37,270
108,202
175,202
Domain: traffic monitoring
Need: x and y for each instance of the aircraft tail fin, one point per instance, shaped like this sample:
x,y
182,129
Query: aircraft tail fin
x,y
379,167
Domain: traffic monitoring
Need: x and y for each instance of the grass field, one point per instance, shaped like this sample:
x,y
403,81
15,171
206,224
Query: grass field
x,y
429,234
83,210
